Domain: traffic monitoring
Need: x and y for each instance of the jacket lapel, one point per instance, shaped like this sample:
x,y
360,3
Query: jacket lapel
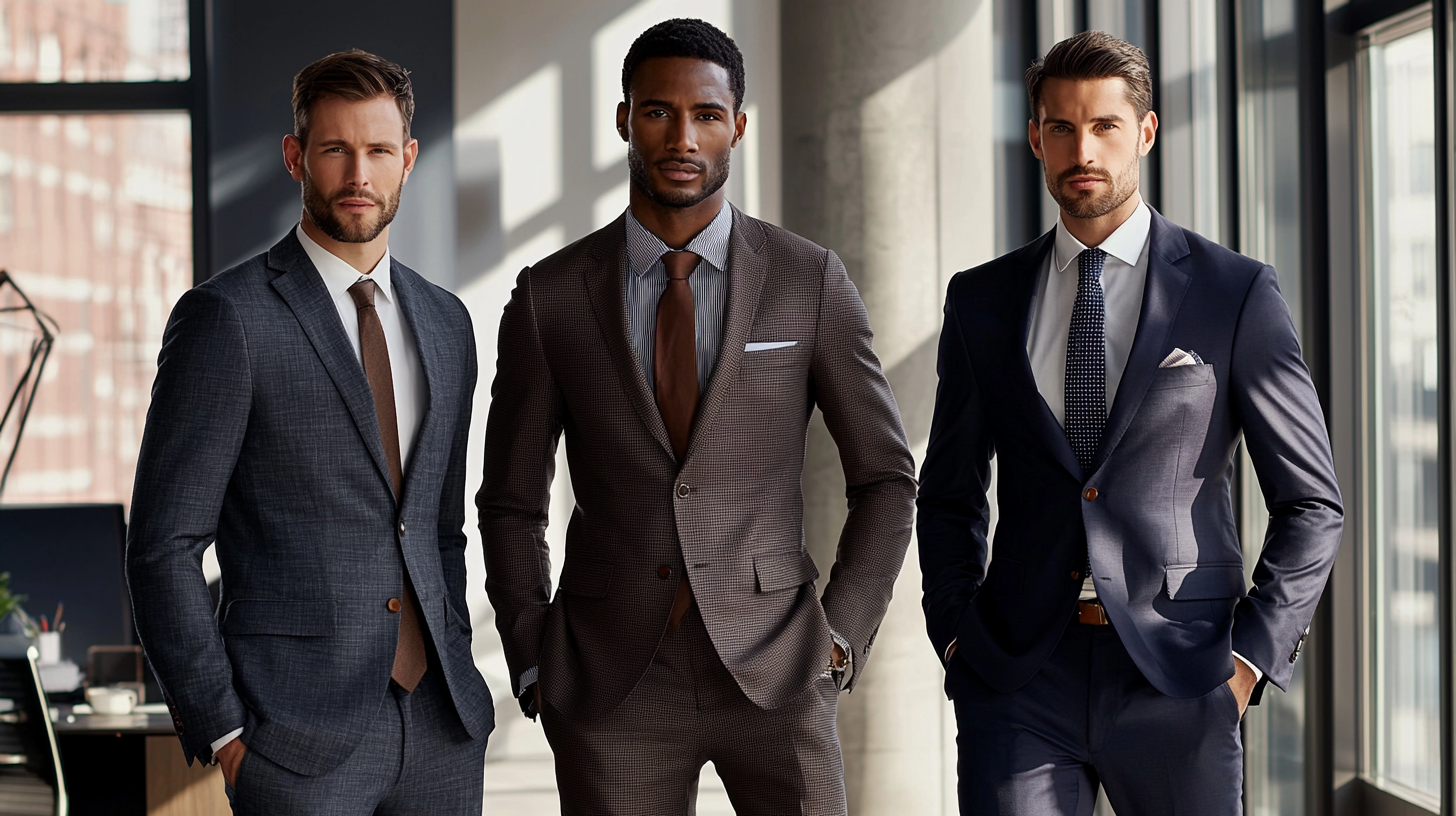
x,y
408,289
746,274
1025,275
303,290
1162,297
605,285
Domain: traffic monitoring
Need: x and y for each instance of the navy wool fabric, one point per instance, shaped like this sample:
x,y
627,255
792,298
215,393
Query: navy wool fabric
x,y
262,436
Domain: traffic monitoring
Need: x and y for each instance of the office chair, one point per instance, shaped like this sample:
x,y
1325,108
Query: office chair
x,y
31,781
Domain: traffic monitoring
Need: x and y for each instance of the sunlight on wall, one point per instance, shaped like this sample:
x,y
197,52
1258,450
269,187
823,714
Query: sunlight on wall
x,y
525,122
610,45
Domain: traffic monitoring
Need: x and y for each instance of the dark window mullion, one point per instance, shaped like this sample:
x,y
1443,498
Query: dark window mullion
x,y
36,97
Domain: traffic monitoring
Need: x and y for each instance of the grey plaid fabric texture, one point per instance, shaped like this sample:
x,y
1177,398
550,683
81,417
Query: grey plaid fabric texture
x,y
414,759
1086,392
731,515
645,757
646,278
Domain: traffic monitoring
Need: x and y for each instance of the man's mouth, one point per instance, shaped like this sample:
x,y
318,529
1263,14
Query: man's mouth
x,y
355,205
680,171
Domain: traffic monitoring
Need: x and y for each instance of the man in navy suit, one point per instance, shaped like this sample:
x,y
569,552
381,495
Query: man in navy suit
x,y
1111,367
310,415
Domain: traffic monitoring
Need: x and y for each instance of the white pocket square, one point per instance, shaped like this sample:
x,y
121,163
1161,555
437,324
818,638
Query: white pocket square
x,y
775,344
1179,357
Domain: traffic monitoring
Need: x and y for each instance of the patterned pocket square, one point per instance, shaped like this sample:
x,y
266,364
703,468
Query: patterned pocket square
x,y
769,346
1179,357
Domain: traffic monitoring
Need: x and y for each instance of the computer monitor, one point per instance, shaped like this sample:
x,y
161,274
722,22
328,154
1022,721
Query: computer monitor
x,y
70,553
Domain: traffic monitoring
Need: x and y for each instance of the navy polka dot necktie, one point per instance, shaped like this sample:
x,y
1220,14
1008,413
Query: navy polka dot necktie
x,y
1086,380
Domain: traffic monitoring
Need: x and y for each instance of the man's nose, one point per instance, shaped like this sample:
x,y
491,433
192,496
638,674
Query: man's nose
x,y
682,136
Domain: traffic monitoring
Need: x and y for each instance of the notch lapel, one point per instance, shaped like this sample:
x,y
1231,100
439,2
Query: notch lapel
x,y
1022,287
303,290
1162,297
746,274
605,283
408,289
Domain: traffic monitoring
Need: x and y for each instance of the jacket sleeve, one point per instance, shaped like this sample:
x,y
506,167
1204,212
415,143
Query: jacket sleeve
x,y
954,515
862,417
1284,430
195,426
521,434
451,524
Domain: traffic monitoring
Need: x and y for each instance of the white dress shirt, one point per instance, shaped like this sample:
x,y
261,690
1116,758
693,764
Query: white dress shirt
x,y
404,357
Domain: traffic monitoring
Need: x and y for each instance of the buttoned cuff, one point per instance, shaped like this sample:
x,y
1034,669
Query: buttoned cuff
x,y
218,744
1258,675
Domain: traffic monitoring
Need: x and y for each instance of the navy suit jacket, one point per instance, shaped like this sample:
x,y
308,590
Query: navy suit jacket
x,y
1160,531
262,436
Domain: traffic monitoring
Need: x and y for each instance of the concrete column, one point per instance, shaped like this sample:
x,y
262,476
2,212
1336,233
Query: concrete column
x,y
889,146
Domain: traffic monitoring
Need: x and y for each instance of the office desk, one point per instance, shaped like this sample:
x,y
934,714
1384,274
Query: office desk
x,y
133,766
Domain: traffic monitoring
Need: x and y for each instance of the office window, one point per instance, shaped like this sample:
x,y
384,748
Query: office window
x,y
93,40
1269,230
1401,378
98,233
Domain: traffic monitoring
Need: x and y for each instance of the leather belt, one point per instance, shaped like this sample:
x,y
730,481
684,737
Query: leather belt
x,y
680,603
1091,613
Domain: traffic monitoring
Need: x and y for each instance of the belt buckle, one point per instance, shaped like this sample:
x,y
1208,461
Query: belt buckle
x,y
1092,613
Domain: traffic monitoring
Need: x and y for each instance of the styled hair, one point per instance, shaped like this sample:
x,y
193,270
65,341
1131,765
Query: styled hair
x,y
353,75
1094,55
691,38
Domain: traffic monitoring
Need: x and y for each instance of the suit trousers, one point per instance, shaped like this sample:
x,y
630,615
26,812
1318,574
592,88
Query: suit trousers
x,y
1089,717
416,758
646,755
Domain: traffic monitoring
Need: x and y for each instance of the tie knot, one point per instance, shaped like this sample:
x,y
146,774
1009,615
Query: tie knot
x,y
679,265
363,293
1090,260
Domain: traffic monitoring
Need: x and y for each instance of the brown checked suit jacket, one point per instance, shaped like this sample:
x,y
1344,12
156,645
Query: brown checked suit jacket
x,y
731,512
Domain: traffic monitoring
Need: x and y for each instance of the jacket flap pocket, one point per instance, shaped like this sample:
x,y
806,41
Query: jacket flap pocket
x,y
784,570
586,578
1205,582
266,616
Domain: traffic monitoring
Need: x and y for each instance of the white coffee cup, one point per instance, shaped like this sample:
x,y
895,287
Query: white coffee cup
x,y
49,646
111,699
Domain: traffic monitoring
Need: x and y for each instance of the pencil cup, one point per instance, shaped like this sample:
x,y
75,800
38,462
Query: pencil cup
x,y
49,646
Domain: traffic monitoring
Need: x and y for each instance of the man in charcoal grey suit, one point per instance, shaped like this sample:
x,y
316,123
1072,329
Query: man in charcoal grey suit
x,y
686,628
310,415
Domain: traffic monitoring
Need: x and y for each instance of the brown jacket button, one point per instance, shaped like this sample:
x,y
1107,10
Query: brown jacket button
x,y
664,572
393,605
1090,494
683,490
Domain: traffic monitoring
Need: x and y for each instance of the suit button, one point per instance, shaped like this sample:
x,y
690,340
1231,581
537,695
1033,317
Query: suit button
x,y
401,528
1076,576
664,572
393,605
683,490
1090,494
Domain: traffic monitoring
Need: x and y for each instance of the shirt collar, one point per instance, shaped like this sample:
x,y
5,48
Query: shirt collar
x,y
644,249
336,272
1125,243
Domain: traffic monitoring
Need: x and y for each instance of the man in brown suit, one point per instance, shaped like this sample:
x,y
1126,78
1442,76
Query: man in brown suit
x,y
682,349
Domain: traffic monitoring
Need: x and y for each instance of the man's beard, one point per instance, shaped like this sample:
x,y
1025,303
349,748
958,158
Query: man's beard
x,y
717,176
1119,190
320,211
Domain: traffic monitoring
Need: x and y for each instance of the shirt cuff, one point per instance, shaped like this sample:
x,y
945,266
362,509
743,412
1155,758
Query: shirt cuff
x,y
224,740
1258,675
528,679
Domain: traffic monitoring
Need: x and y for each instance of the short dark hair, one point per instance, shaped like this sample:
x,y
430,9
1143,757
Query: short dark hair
x,y
684,37
354,75
1094,55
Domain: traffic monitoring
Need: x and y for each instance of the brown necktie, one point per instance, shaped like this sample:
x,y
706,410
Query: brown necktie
x,y
410,659
675,351
675,372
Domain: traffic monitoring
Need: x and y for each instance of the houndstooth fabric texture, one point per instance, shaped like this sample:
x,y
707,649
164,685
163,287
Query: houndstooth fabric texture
x,y
647,755
1086,391
730,515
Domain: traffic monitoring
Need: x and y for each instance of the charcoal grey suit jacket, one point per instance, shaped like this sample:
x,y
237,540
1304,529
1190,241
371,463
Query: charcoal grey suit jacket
x,y
731,512
262,435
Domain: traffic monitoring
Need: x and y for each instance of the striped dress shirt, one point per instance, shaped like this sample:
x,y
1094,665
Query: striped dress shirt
x,y
647,278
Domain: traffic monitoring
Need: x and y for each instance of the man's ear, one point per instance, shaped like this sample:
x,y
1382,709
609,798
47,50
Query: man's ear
x,y
1033,136
1147,133
293,156
411,152
622,120
740,126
